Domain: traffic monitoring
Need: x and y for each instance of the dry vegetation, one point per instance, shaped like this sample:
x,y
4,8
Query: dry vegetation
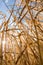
x,y
21,35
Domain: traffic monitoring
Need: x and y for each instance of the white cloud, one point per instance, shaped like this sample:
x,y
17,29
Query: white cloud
x,y
6,1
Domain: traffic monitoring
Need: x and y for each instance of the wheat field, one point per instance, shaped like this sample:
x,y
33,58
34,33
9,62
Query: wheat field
x,y
21,32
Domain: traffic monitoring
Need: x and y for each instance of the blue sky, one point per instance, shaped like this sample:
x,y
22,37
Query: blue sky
x,y
3,8
2,5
